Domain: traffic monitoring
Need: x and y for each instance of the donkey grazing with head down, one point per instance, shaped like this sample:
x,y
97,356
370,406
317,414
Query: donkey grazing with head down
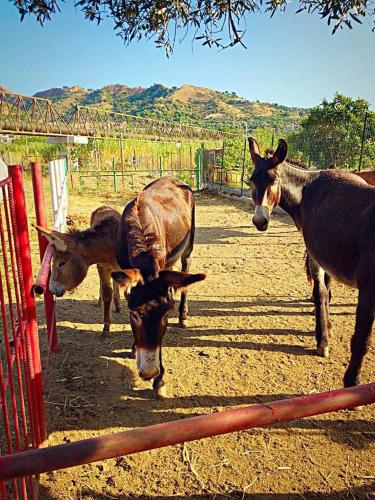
x,y
76,251
335,211
157,230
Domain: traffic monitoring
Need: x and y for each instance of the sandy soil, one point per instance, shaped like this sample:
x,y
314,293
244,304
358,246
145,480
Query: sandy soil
x,y
250,339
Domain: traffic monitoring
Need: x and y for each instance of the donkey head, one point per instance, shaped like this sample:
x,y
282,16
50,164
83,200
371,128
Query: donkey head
x,y
69,268
150,304
265,182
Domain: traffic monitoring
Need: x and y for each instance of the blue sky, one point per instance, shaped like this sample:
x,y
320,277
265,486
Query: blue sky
x,y
290,59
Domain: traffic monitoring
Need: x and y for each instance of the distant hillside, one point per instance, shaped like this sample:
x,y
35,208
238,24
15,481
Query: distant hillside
x,y
188,104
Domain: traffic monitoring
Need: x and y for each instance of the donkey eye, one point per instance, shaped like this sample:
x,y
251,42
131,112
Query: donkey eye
x,y
61,264
135,316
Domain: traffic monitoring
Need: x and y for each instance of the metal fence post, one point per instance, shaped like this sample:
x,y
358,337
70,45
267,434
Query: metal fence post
x,y
41,220
362,141
198,173
38,409
243,164
114,175
122,158
161,166
222,167
203,164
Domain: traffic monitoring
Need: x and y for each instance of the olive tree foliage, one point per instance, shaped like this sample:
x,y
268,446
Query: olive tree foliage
x,y
218,23
340,132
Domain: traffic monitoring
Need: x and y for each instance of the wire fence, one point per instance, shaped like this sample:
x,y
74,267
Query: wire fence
x,y
114,165
350,147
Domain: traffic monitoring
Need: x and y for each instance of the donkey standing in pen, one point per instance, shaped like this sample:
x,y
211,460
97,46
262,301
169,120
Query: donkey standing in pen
x,y
335,211
76,251
367,175
156,231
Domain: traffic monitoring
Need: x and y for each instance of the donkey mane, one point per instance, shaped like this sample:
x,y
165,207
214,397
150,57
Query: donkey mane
x,y
100,231
143,238
297,163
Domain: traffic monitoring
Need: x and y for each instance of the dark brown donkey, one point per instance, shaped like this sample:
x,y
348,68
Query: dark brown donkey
x,y
76,251
157,230
335,211
369,177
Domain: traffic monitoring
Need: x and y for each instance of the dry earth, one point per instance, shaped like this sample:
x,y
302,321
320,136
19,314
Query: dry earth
x,y
250,339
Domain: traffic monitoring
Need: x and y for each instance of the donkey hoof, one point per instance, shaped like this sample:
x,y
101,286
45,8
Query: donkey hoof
x,y
323,351
182,323
118,310
350,380
105,331
161,392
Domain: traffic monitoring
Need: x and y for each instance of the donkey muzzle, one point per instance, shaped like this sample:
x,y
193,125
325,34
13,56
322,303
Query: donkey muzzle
x,y
148,363
56,288
261,217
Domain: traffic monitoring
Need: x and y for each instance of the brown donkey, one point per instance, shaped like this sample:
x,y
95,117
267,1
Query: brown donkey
x,y
76,251
157,230
335,211
369,177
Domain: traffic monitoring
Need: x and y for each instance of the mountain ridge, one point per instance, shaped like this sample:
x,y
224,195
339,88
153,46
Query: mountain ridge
x,y
188,104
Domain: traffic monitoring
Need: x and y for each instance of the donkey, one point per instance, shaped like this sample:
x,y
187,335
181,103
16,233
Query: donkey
x,y
76,251
157,229
335,211
369,177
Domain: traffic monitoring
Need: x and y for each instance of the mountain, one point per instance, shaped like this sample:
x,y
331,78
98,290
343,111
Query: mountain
x,y
188,104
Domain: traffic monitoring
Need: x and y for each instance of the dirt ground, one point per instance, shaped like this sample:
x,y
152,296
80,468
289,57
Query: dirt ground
x,y
249,340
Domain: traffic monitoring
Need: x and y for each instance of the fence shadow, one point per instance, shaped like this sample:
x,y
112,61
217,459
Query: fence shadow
x,y
89,312
90,388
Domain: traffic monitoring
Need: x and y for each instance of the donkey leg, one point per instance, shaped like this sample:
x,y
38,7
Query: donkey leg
x,y
328,282
107,294
116,296
159,386
133,351
320,294
183,309
360,341
99,303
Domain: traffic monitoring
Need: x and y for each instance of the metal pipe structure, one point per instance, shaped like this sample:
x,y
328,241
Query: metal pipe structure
x,y
180,431
40,287
32,338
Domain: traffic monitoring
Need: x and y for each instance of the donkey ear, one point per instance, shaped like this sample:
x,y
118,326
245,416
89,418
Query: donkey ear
x,y
57,239
280,154
128,278
179,279
254,150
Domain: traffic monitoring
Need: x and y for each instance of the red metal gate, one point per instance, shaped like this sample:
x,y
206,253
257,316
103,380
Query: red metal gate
x,y
21,395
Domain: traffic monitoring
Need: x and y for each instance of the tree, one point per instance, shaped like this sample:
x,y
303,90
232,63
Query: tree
x,y
332,134
219,23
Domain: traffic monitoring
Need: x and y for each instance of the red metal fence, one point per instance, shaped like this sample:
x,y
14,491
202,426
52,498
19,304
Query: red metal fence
x,y
21,394
40,287
180,431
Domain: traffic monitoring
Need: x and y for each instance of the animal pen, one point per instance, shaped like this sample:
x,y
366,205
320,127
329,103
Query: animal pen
x,y
23,442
